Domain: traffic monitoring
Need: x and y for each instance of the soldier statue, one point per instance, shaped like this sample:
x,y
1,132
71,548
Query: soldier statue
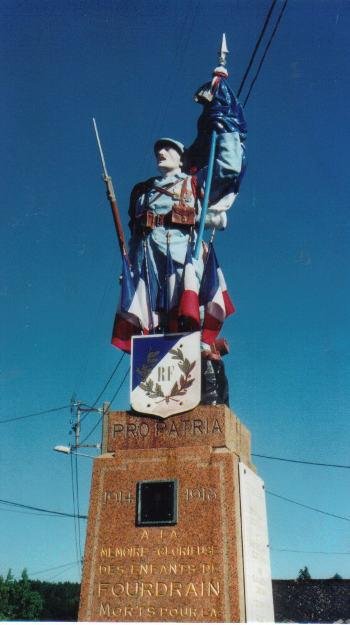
x,y
172,202
194,190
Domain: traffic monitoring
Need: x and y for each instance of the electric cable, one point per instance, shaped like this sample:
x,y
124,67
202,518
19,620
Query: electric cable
x,y
119,387
317,464
61,573
85,357
74,509
76,505
52,512
265,52
78,509
169,87
92,430
34,414
105,386
23,511
66,514
109,380
303,505
333,553
52,568
256,48
112,400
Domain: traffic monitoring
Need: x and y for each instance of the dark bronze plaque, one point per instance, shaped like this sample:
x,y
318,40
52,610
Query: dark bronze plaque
x,y
157,502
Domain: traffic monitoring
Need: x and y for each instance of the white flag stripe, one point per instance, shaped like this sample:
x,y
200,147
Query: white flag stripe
x,y
172,291
222,280
190,278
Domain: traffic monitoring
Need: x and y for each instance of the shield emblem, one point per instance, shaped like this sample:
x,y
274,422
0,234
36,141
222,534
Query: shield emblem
x,y
165,373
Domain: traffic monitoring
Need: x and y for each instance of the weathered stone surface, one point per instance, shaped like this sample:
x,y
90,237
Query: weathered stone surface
x,y
256,556
191,571
215,426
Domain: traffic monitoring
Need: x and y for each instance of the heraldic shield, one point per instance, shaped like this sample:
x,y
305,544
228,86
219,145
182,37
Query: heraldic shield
x,y
165,373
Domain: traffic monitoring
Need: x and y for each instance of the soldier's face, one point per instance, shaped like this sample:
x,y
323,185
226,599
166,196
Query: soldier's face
x,y
168,159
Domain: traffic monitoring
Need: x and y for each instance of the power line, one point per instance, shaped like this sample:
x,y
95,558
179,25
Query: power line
x,y
86,352
303,505
52,568
66,514
119,387
35,414
105,386
92,430
76,543
62,572
52,512
109,379
112,400
78,508
318,464
256,48
23,512
74,472
335,553
265,52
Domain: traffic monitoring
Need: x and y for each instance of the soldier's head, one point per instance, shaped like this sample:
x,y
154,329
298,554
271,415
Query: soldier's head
x,y
169,154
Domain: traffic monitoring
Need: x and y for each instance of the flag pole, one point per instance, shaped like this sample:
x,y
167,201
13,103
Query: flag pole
x,y
206,195
148,286
167,303
222,63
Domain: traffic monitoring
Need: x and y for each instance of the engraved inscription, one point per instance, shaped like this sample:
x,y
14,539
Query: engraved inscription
x,y
159,589
130,551
181,428
201,494
159,574
139,611
123,552
169,568
112,496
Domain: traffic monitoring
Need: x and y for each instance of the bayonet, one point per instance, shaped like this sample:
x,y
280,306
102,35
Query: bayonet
x,y
223,52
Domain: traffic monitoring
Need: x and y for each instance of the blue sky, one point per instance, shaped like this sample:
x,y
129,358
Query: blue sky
x,y
135,67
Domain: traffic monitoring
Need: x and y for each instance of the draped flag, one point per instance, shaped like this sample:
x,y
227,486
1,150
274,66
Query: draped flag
x,y
214,297
128,315
189,303
146,292
169,297
136,308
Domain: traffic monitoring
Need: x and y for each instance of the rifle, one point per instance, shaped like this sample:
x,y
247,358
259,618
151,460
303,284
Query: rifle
x,y
112,200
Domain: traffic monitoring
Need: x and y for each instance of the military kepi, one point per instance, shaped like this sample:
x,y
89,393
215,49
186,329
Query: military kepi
x,y
166,141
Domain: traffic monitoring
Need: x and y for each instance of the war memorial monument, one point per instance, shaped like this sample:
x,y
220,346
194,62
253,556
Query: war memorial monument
x,y
177,526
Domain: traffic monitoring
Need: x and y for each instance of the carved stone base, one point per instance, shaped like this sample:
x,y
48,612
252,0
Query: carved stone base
x,y
186,565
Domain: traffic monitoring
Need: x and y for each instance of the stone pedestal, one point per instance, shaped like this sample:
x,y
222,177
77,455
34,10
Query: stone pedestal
x,y
189,569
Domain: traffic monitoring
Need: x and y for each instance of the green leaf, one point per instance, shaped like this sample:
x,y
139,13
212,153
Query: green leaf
x,y
174,390
158,390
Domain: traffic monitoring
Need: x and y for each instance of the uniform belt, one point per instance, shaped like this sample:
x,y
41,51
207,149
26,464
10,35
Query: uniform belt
x,y
149,220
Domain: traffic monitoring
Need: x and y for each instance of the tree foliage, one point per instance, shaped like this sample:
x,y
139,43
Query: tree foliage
x,y
17,600
304,574
60,600
33,600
